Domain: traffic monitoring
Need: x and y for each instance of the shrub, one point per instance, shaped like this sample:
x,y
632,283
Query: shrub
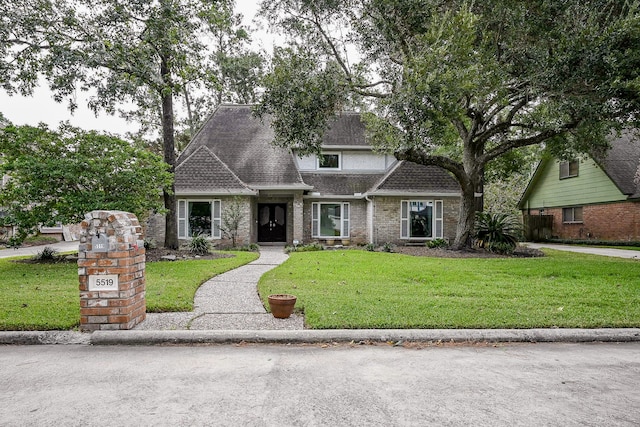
x,y
497,232
304,248
370,247
14,242
437,243
40,240
150,244
47,254
387,247
199,245
253,247
501,248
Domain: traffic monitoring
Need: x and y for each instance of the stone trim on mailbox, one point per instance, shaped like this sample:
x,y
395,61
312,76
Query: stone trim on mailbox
x,y
111,271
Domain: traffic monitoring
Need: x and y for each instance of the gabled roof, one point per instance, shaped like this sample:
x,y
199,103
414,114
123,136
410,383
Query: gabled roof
x,y
203,173
243,144
233,154
408,177
621,163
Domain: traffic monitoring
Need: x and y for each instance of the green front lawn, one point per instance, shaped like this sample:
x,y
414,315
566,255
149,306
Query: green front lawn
x,y
46,296
358,289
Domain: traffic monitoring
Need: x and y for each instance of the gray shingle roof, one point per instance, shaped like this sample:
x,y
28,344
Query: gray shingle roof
x,y
341,184
233,153
345,130
414,178
621,163
203,172
243,143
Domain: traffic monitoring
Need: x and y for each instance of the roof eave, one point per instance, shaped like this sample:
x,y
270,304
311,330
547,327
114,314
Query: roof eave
x,y
357,196
262,187
414,193
215,192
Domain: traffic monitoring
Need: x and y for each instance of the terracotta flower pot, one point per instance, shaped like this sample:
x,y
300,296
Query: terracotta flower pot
x,y
281,305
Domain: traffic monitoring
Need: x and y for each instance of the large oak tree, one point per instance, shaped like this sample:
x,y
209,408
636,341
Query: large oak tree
x,y
145,51
457,83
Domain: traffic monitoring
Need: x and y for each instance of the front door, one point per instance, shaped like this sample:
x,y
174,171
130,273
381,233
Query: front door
x,y
272,222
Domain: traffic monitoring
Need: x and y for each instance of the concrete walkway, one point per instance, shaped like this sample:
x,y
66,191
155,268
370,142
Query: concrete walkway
x,y
591,250
229,301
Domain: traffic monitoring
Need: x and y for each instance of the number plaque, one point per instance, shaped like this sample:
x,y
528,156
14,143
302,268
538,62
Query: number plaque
x,y
103,282
100,243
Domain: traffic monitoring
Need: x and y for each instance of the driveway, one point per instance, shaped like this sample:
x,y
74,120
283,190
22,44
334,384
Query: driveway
x,y
620,253
32,250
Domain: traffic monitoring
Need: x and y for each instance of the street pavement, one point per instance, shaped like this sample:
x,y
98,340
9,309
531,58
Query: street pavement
x,y
553,384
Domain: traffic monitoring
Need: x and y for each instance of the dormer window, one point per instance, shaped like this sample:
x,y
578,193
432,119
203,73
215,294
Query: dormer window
x,y
329,161
569,169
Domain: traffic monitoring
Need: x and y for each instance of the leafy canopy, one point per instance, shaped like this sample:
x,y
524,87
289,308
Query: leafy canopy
x,y
457,83
58,176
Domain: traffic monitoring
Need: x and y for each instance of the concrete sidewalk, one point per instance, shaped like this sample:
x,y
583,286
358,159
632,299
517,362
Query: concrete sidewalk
x,y
591,250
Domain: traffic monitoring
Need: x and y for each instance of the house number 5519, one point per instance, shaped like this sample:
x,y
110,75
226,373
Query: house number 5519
x,y
103,282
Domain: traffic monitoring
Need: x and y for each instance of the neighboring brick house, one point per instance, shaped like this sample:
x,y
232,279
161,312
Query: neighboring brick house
x,y
347,195
594,198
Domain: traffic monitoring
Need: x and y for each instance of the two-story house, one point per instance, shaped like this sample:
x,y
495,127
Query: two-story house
x,y
348,194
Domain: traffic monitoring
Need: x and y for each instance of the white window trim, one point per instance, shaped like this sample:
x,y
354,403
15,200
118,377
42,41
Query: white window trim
x,y
183,215
334,153
437,224
345,220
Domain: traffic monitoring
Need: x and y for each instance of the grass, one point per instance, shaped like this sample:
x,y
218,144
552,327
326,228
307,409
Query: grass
x,y
358,289
171,286
46,296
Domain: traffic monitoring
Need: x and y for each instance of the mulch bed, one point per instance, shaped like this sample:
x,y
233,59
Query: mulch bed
x,y
154,255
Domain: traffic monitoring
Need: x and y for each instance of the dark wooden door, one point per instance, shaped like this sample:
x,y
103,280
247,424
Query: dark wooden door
x,y
272,222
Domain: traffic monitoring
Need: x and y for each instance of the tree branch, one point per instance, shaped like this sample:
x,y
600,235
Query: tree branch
x,y
523,142
422,158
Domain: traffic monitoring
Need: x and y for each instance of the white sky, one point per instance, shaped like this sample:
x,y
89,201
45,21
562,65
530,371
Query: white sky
x,y
42,108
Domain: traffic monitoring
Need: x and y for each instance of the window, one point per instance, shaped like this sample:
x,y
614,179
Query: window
x,y
569,169
199,217
421,219
572,215
329,161
330,220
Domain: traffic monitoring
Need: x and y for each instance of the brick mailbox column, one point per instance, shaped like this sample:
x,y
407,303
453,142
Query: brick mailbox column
x,y
111,270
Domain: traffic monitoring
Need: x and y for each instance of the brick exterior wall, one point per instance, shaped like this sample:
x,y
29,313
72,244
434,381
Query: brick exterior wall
x,y
386,218
610,221
244,229
358,233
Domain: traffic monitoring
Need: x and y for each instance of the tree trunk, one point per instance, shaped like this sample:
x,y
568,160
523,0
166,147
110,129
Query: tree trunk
x,y
168,143
466,219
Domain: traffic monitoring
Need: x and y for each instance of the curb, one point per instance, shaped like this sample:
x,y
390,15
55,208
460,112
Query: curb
x,y
190,337
44,337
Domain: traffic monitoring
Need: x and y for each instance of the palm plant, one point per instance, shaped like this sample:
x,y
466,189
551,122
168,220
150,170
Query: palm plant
x,y
497,232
